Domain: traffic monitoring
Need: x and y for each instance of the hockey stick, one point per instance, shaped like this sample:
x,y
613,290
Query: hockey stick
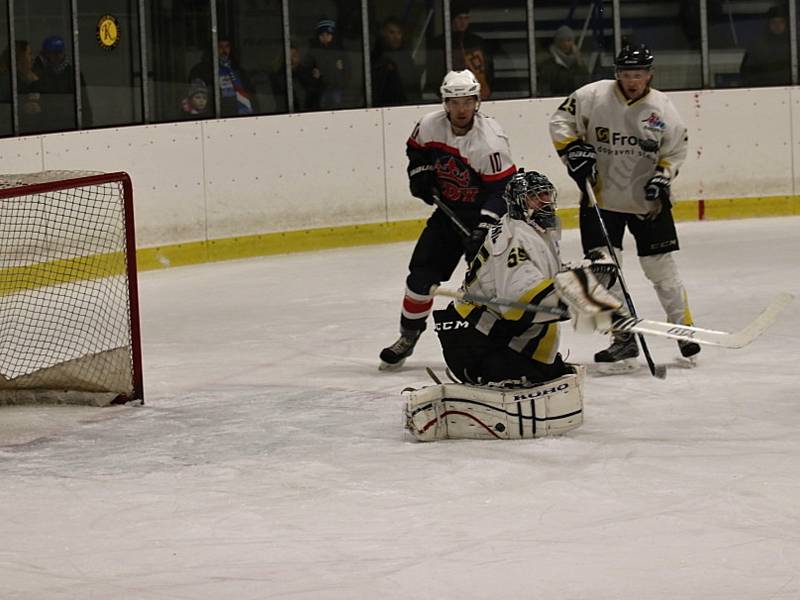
x,y
659,371
451,215
687,333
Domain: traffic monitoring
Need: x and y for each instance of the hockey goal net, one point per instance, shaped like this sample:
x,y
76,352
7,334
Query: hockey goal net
x,y
69,319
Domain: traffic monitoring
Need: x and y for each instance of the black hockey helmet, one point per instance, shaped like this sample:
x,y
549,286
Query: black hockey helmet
x,y
531,197
634,57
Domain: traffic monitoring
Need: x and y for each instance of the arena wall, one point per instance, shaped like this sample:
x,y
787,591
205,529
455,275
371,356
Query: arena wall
x,y
209,190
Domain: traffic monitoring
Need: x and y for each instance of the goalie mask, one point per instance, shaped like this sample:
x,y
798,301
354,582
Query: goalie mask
x,y
531,197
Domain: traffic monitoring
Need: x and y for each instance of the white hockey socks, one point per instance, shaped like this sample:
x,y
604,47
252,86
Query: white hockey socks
x,y
662,271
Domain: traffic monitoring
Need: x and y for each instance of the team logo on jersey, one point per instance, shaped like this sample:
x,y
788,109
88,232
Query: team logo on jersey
x,y
654,123
605,136
454,181
615,138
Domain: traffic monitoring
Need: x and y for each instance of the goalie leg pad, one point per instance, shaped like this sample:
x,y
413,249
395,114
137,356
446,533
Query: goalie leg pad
x,y
460,411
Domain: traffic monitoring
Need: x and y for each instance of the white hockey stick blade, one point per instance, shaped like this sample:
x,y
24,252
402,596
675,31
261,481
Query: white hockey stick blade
x,y
710,337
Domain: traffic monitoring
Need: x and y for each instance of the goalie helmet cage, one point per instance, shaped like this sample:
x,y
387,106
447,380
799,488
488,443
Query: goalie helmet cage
x,y
69,312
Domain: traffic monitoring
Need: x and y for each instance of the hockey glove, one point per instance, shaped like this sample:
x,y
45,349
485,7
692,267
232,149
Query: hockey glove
x,y
656,194
581,160
473,243
591,305
422,182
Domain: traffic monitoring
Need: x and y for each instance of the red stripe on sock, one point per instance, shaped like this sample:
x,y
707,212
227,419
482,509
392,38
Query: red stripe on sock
x,y
412,306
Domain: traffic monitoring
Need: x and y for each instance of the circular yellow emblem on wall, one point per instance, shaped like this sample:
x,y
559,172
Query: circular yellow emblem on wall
x,y
108,32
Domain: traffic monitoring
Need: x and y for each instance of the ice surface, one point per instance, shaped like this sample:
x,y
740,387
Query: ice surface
x,y
269,460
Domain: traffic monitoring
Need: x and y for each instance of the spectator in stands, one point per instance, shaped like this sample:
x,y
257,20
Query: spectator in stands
x,y
30,108
237,92
768,60
57,87
470,51
306,89
196,105
395,76
564,70
328,64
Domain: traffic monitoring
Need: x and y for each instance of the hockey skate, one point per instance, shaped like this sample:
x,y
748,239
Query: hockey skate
x,y
688,349
689,352
393,357
620,356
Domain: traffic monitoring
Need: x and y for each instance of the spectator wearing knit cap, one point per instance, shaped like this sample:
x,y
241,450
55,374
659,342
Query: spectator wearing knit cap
x,y
196,104
328,64
564,70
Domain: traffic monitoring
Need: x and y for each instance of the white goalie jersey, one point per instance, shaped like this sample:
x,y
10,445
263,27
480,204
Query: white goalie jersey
x,y
519,263
633,140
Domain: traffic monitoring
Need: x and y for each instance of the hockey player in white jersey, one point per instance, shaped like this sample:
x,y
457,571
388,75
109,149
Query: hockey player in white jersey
x,y
519,261
628,142
461,157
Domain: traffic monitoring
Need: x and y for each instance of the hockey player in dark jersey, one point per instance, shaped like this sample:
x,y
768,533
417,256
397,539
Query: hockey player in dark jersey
x,y
462,157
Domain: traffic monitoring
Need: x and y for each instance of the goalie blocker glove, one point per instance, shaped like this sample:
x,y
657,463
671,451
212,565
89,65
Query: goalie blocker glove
x,y
581,159
422,182
475,240
656,192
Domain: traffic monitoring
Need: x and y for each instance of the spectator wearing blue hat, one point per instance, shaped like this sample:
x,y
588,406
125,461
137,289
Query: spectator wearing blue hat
x,y
57,87
329,64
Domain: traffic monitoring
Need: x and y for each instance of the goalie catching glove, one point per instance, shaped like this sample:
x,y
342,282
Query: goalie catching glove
x,y
591,305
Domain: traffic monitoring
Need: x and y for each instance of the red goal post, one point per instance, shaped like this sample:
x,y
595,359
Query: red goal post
x,y
69,311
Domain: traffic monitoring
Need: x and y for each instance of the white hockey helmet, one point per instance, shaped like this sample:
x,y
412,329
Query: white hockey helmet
x,y
460,84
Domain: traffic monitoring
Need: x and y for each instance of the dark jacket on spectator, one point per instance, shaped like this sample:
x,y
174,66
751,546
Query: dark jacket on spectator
x,y
395,76
768,60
